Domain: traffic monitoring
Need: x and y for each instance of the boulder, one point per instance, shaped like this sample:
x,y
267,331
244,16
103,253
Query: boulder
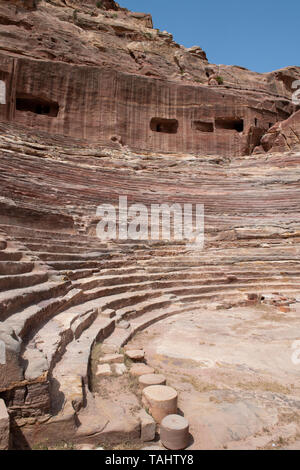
x,y
4,426
148,426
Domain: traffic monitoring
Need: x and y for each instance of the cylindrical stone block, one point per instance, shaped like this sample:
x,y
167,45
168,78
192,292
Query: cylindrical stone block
x,y
151,379
174,432
161,401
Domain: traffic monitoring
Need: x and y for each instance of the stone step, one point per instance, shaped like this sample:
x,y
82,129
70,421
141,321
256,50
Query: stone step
x,y
119,297
75,265
76,243
242,288
120,337
122,271
140,308
21,328
72,371
276,266
216,261
43,346
179,287
172,279
18,299
49,343
18,281
18,232
228,296
72,256
11,255
14,267
28,320
78,273
60,248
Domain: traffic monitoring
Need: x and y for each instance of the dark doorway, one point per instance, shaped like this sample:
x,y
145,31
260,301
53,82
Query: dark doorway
x,y
167,126
36,105
234,124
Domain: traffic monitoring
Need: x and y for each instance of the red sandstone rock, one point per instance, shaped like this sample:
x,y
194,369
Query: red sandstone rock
x,y
283,136
81,95
4,427
121,56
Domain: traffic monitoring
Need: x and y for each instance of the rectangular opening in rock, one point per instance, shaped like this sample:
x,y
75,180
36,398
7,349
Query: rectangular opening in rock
x,y
167,126
203,126
36,105
234,124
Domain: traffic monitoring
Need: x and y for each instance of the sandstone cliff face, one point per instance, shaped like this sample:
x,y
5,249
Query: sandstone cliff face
x,y
284,136
99,104
105,75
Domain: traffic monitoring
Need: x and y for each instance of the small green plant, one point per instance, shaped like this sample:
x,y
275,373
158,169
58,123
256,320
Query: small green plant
x,y
75,16
220,80
99,4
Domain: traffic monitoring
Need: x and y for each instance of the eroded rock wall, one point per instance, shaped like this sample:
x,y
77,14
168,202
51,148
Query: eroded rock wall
x,y
103,74
105,106
284,136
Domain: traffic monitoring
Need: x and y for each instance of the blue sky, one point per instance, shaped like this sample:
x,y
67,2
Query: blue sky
x,y
262,35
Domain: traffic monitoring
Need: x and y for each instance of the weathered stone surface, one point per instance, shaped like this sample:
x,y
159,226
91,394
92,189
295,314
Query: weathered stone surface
x,y
120,369
111,359
174,432
104,370
97,103
109,313
140,369
109,348
284,136
82,43
123,325
4,427
151,379
148,426
161,400
136,355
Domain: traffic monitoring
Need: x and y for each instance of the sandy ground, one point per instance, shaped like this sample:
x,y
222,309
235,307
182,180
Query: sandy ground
x,y
233,370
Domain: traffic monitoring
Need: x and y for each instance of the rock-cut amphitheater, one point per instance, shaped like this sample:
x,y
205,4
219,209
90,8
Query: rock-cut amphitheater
x,y
96,104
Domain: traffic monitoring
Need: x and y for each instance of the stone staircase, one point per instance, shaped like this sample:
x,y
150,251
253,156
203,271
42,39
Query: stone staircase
x,y
56,290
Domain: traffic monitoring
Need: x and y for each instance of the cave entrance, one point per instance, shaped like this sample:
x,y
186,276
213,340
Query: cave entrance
x,y
203,126
36,105
233,124
167,126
